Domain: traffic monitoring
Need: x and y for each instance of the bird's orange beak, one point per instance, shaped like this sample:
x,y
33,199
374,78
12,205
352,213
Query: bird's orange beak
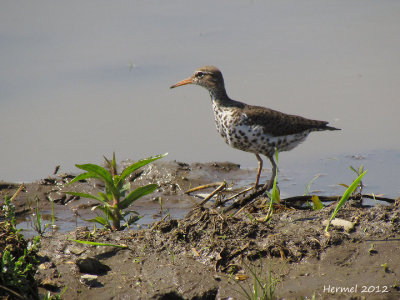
x,y
183,82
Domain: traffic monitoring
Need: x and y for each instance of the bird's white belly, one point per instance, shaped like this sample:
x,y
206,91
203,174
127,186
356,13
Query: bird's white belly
x,y
252,138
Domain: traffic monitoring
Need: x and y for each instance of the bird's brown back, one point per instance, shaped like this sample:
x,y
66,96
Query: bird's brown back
x,y
278,123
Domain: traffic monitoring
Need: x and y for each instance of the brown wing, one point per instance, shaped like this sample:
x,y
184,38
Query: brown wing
x,y
277,123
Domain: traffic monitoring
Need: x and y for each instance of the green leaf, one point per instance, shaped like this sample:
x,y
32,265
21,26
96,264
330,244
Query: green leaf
x,y
360,169
107,211
354,170
133,219
132,168
136,194
345,197
310,183
82,176
100,220
102,174
117,182
98,171
84,195
114,164
104,198
98,244
275,194
317,204
126,186
95,171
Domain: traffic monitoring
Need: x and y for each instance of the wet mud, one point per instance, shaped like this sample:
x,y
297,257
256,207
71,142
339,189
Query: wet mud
x,y
203,253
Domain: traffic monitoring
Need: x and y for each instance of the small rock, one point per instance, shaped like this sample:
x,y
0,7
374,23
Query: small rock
x,y
347,225
47,181
90,280
92,265
46,266
76,250
56,197
50,284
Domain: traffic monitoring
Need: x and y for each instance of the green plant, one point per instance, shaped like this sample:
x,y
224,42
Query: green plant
x,y
345,197
98,244
385,267
262,288
9,210
316,202
172,254
274,196
18,257
53,219
49,296
160,202
306,192
359,171
114,201
360,186
38,225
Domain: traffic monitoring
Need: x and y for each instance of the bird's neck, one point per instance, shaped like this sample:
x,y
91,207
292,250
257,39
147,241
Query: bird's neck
x,y
220,98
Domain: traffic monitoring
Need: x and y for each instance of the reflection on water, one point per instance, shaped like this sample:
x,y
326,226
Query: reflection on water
x,y
83,79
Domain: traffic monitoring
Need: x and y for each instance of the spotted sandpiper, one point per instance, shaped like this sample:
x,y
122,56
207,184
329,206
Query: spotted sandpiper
x,y
254,129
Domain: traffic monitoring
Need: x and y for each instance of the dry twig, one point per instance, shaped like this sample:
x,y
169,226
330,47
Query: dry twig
x,y
201,187
222,186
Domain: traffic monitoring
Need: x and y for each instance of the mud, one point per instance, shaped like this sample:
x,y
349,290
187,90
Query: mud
x,y
202,253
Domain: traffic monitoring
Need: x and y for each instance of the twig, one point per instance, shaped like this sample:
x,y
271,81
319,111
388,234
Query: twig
x,y
201,187
240,210
247,199
222,186
158,222
11,291
17,192
236,195
308,198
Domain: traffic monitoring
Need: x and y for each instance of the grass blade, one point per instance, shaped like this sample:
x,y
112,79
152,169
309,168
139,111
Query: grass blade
x,y
98,244
317,204
310,183
345,197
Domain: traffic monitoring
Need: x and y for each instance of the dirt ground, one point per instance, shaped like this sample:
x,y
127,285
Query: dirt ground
x,y
209,254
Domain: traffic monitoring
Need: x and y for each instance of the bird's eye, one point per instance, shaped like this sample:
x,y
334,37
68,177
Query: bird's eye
x,y
199,74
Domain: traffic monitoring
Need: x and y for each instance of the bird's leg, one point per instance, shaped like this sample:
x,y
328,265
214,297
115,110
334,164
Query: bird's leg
x,y
260,165
271,181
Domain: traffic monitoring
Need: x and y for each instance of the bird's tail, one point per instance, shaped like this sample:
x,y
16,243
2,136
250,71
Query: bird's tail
x,y
331,128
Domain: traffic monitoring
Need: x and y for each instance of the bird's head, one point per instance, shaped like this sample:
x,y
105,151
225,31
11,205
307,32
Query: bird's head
x,y
209,77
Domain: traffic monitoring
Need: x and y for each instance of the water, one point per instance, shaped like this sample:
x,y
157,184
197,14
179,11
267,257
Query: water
x,y
293,180
80,80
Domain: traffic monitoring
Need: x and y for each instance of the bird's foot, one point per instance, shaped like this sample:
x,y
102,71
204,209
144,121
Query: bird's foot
x,y
268,186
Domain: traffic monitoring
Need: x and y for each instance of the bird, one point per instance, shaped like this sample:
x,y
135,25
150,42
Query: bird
x,y
250,128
